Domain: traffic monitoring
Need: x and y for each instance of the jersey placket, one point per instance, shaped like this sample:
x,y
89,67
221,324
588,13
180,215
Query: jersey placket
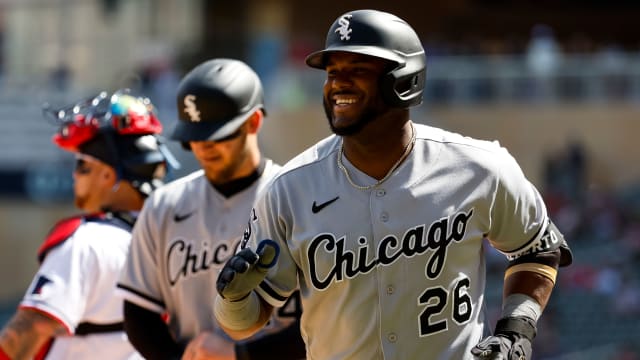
x,y
389,279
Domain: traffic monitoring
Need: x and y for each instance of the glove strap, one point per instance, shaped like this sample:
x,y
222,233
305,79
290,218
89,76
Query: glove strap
x,y
519,325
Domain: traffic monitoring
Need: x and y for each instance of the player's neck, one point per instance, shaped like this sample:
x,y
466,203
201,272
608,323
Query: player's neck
x,y
375,151
237,185
124,198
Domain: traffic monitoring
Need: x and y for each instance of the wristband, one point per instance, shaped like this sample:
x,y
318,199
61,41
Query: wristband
x,y
516,305
237,315
521,325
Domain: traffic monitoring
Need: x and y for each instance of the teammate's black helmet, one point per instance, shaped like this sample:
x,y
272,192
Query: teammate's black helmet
x,y
120,130
383,35
215,99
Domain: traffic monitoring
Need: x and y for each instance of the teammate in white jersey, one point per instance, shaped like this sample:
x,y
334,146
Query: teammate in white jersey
x,y
192,226
70,311
381,225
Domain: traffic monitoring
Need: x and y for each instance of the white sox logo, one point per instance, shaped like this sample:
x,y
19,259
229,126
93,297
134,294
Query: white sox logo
x,y
190,108
344,30
416,241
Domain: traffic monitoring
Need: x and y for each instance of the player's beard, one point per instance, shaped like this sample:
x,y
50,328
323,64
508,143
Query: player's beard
x,y
370,113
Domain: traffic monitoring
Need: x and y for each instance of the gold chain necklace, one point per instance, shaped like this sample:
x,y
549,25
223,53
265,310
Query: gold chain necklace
x,y
405,153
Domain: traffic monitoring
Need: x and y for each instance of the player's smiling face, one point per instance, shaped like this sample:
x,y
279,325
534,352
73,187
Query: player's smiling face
x,y
351,96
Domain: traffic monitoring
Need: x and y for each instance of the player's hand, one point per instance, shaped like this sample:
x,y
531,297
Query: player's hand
x,y
246,270
209,346
511,341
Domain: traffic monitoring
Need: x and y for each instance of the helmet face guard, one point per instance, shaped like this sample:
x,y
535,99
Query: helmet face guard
x,y
382,35
75,132
120,130
82,121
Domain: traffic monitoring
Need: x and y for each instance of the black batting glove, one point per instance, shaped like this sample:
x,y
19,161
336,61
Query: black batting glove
x,y
246,270
511,340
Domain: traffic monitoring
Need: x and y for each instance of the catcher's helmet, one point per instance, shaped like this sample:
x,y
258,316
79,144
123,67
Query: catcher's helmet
x,y
215,99
383,35
120,130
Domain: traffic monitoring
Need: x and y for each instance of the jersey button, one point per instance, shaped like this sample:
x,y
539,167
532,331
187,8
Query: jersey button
x,y
390,289
381,192
384,217
392,337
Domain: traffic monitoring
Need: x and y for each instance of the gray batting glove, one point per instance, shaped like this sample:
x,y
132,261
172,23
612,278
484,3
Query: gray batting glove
x,y
511,340
246,270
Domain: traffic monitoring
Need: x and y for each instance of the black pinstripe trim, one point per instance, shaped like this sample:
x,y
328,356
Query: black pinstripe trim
x,y
144,296
267,289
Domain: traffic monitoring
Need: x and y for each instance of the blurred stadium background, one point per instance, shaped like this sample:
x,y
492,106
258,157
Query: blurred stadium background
x,y
557,82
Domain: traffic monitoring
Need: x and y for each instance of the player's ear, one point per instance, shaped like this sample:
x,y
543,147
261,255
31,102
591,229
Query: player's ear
x,y
255,122
108,174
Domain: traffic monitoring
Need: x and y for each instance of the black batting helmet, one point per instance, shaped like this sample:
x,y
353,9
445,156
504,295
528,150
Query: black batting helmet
x,y
383,35
215,99
120,130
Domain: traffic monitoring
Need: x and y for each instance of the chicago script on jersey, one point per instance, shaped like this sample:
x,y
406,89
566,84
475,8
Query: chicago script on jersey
x,y
348,264
183,260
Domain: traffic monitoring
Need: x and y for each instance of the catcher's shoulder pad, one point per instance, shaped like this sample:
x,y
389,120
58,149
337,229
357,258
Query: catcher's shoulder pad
x,y
61,231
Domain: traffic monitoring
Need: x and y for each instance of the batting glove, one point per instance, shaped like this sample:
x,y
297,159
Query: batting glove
x,y
511,340
246,270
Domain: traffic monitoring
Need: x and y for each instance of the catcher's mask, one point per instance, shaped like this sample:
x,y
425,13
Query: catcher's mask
x,y
120,130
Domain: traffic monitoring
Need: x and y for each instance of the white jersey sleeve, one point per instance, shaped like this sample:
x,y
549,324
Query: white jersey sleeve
x,y
62,285
518,215
139,276
74,277
269,215
75,285
273,218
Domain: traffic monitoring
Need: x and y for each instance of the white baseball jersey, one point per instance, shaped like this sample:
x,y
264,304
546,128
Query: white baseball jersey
x,y
76,284
184,235
397,271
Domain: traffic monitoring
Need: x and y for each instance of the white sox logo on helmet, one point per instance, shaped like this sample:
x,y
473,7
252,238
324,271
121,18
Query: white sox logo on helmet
x,y
344,29
190,108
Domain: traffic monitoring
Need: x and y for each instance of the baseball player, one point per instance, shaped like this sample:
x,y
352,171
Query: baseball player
x,y
192,226
381,225
70,310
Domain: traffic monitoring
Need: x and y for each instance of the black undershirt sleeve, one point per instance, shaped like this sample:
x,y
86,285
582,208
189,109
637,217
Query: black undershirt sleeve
x,y
149,334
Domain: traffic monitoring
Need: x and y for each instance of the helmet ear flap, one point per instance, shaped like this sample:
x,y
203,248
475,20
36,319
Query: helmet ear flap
x,y
404,87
